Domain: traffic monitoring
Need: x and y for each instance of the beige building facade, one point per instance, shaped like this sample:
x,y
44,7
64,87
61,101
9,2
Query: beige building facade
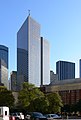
x,y
70,90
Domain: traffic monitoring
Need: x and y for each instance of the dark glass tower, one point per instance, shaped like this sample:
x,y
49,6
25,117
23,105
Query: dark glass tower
x,y
4,65
65,70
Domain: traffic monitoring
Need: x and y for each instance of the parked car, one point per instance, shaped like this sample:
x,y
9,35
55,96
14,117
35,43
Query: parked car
x,y
35,116
18,115
52,116
27,117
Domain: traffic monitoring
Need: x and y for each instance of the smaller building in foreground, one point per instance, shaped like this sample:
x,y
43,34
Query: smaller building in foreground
x,y
70,90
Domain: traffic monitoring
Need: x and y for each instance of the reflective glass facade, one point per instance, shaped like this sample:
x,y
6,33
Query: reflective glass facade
x,y
4,65
4,54
45,62
22,51
28,51
34,52
3,73
65,70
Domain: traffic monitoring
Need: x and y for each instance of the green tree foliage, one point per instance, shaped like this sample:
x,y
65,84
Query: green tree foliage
x,y
55,102
39,104
28,94
32,99
6,97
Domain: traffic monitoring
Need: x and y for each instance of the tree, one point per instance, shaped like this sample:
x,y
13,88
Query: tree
x,y
28,94
55,102
6,97
32,99
39,104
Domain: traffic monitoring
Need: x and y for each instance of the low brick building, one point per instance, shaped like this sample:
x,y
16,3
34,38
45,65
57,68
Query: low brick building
x,y
70,90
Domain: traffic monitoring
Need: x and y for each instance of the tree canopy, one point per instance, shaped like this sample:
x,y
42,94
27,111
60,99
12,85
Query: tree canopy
x,y
39,104
55,102
28,94
32,99
6,97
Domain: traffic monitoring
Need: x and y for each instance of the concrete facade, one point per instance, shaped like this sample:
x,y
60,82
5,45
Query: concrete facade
x,y
13,79
70,90
53,77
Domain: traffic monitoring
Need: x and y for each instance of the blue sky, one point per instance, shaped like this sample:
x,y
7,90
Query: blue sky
x,y
60,22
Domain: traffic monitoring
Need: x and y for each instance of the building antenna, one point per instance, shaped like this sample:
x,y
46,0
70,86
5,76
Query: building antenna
x,y
29,12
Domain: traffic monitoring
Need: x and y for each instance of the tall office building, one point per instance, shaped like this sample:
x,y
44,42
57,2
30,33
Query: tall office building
x,y
80,68
13,80
28,51
53,77
32,62
4,65
45,62
65,70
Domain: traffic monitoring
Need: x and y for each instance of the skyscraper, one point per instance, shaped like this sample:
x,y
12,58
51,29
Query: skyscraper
x,y
32,62
28,51
45,62
13,80
4,65
65,70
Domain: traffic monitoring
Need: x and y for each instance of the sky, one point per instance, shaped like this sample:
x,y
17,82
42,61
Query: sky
x,y
60,22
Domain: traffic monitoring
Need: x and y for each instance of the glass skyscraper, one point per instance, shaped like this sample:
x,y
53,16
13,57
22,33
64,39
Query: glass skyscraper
x,y
65,70
45,62
28,52
4,65
32,55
